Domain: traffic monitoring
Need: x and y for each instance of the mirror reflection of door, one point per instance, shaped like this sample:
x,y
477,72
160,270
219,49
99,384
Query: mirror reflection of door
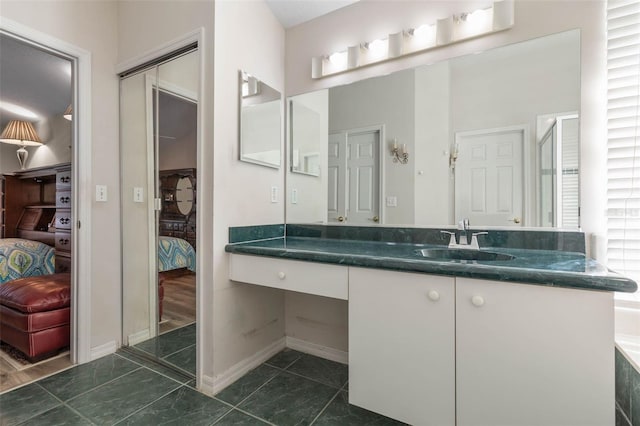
x,y
159,158
558,172
354,177
488,177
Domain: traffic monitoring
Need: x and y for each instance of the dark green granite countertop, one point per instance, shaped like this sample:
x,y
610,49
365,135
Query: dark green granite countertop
x,y
541,267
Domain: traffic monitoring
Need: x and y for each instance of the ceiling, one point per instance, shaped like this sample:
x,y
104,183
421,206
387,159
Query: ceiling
x,y
33,79
293,12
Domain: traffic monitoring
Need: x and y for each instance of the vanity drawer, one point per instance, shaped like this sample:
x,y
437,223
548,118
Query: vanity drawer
x,y
304,277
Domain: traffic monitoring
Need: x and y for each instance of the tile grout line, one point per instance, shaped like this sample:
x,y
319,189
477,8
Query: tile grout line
x,y
624,415
154,371
101,385
62,404
325,406
179,350
147,405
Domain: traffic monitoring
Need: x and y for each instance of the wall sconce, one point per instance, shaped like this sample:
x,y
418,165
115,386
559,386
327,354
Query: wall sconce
x,y
20,133
400,153
447,30
453,157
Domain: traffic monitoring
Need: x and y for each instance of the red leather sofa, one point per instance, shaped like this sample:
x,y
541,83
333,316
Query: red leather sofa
x,y
35,314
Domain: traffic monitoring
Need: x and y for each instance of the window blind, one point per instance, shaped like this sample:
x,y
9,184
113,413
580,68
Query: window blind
x,y
623,149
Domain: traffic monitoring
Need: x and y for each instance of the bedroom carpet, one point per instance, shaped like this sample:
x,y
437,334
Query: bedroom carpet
x,y
290,388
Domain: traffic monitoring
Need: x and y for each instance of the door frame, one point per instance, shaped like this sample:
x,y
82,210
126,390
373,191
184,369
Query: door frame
x,y
196,36
527,204
81,161
380,128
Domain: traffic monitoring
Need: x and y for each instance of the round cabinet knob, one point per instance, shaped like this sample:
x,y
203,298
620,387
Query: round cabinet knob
x,y
433,295
281,275
477,301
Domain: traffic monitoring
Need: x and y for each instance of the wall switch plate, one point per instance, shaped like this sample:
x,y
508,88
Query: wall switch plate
x,y
274,194
138,194
294,196
101,193
392,201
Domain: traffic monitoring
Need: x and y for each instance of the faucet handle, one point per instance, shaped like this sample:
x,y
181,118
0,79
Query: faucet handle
x,y
452,238
474,240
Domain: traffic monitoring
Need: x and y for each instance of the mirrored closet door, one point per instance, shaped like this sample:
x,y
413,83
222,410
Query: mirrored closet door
x,y
158,148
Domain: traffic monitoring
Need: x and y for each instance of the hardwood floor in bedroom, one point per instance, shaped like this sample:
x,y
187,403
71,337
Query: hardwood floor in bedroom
x,y
179,304
12,374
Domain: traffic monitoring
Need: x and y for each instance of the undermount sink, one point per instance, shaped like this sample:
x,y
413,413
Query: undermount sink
x,y
462,254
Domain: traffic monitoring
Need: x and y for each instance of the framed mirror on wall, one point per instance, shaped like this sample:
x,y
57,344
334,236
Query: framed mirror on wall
x,y
475,116
260,121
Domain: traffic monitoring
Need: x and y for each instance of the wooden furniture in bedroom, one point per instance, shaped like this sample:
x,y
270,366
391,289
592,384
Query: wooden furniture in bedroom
x,y
36,205
175,219
63,219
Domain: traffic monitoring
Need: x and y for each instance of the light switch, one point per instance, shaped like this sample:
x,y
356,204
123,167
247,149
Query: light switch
x,y
392,201
101,193
274,194
138,194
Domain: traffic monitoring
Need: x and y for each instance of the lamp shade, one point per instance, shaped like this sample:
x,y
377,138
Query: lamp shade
x,y
20,133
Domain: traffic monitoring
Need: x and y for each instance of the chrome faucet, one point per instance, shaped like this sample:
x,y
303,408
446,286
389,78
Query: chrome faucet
x,y
463,242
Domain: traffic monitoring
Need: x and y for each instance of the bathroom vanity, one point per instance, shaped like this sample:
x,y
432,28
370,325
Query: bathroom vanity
x,y
522,341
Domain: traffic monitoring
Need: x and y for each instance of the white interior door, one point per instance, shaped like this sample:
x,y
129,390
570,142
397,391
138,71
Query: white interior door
x,y
489,177
354,177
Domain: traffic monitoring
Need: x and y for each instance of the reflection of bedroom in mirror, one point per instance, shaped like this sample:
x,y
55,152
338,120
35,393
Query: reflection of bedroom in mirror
x,y
159,157
35,212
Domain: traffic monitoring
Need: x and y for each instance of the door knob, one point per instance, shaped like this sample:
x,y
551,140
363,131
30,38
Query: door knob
x,y
376,219
341,219
515,220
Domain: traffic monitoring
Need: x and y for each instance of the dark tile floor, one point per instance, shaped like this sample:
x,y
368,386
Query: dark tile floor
x,y
177,347
289,389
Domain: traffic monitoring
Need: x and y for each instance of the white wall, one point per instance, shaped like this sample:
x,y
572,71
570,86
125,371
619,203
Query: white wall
x,y
533,19
92,26
246,318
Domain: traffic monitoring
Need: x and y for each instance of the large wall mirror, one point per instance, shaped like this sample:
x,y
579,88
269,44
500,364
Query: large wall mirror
x,y
492,136
260,121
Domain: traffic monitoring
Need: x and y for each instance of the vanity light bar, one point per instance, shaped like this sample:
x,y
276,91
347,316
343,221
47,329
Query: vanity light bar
x,y
453,29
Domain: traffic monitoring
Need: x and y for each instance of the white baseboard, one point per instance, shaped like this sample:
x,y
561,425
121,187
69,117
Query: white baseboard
x,y
102,350
214,385
318,350
138,337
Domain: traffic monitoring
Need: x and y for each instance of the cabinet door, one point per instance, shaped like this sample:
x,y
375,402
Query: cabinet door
x,y
533,355
401,345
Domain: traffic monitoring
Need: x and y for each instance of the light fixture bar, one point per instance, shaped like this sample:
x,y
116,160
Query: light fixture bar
x,y
445,31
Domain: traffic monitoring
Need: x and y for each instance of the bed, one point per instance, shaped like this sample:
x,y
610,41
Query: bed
x,y
175,253
21,258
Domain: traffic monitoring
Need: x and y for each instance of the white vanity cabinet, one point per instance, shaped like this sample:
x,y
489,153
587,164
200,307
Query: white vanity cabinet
x,y
533,355
402,345
432,350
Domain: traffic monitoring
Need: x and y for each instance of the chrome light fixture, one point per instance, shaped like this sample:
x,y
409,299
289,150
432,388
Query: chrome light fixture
x,y
20,133
400,153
